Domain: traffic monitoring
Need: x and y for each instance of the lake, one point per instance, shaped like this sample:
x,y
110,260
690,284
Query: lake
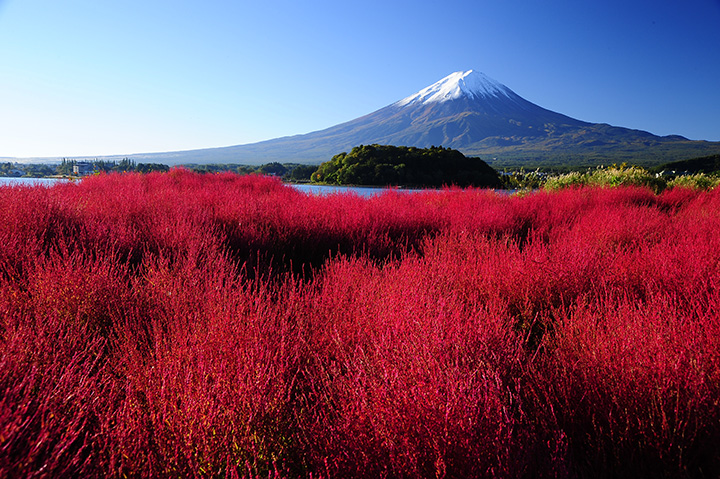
x,y
30,181
358,190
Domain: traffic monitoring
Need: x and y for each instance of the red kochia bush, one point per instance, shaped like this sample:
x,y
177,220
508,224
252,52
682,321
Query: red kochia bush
x,y
187,325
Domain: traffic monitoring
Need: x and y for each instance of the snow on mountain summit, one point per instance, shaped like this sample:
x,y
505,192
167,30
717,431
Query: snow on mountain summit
x,y
469,83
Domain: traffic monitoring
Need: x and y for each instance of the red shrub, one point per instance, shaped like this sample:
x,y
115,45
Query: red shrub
x,y
204,325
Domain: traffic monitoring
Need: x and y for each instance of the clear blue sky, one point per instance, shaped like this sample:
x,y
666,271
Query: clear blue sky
x,y
97,77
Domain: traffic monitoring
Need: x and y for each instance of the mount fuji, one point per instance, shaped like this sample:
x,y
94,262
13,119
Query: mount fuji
x,y
470,112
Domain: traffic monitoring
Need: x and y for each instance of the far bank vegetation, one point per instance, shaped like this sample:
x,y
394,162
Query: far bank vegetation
x,y
400,166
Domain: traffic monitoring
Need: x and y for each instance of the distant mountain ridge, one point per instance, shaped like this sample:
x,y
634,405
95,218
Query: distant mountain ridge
x,y
470,112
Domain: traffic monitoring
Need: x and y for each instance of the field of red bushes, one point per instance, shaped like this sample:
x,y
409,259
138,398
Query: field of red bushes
x,y
187,325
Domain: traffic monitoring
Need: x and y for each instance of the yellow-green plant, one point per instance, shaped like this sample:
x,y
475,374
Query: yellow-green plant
x,y
566,180
601,176
699,181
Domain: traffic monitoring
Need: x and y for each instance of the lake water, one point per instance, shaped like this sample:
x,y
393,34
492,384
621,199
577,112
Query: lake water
x,y
30,181
360,191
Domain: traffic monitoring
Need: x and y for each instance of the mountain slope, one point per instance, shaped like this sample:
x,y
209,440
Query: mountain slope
x,y
470,112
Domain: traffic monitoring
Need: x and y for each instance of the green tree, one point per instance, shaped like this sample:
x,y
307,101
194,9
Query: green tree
x,y
273,168
301,172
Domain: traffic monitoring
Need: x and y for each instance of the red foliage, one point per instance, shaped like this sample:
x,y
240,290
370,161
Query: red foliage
x,y
194,325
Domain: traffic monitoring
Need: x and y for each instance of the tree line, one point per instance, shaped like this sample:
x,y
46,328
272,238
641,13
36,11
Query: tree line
x,y
70,167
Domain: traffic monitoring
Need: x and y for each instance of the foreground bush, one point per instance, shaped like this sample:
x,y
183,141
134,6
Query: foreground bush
x,y
181,325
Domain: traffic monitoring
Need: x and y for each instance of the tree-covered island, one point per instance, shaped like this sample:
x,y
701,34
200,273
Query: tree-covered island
x,y
384,165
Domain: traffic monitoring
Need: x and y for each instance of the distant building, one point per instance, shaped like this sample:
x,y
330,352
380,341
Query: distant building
x,y
82,168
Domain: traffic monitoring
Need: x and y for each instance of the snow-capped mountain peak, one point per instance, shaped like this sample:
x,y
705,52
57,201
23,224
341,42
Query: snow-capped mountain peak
x,y
469,83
